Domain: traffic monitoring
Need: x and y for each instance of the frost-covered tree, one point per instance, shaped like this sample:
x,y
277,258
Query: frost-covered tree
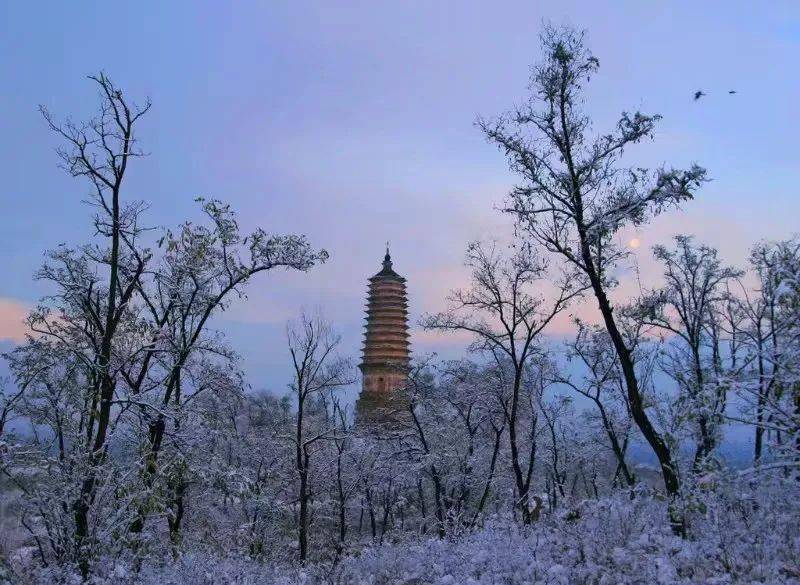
x,y
260,479
565,454
694,293
771,337
575,194
455,431
318,370
602,383
474,395
506,314
121,353
10,401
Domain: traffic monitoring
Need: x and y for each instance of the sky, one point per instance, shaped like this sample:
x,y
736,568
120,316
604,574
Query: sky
x,y
353,123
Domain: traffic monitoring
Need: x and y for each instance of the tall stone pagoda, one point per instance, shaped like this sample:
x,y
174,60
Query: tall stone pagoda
x,y
385,355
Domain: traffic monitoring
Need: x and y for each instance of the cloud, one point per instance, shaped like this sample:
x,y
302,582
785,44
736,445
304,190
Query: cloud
x,y
12,320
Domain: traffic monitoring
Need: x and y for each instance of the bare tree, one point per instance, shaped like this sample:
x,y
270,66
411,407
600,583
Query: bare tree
x,y
770,335
317,370
352,456
9,402
202,269
693,294
479,423
127,332
260,465
101,150
603,384
575,195
506,318
563,453
426,420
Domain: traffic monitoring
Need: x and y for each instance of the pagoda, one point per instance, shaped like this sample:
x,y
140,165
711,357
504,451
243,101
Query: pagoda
x,y
385,354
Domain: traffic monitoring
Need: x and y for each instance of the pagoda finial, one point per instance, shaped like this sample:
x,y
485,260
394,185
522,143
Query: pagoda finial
x,y
387,260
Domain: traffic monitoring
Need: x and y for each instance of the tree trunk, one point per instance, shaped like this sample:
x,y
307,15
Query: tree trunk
x,y
523,483
487,487
302,532
656,442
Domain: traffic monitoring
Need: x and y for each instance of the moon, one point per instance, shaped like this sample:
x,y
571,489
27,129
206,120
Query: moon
x,y
635,243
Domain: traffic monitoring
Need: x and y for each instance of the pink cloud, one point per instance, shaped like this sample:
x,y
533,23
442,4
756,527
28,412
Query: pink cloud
x,y
12,320
430,340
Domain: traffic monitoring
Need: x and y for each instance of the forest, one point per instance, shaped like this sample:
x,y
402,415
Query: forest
x,y
132,450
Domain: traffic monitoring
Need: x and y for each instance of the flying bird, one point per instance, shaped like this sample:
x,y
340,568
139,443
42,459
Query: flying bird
x,y
731,92
698,94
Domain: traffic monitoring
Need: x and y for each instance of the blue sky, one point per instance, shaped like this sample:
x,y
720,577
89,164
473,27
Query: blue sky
x,y
353,123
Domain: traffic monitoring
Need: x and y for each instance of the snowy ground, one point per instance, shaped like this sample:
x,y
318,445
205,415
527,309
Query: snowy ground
x,y
743,533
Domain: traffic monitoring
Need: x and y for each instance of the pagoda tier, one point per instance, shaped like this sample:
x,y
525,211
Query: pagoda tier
x,y
386,337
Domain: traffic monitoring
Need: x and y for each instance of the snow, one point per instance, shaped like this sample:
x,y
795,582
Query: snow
x,y
734,538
